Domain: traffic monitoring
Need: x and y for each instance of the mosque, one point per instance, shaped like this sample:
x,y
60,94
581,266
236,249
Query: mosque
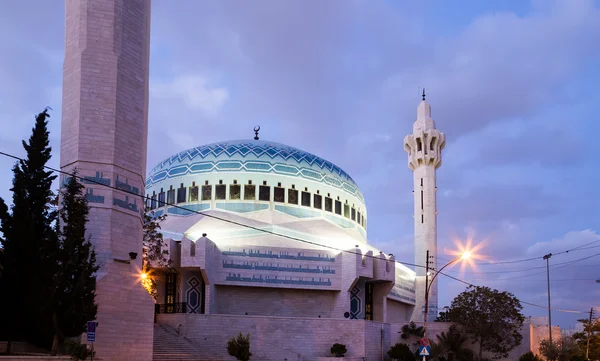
x,y
266,239
259,220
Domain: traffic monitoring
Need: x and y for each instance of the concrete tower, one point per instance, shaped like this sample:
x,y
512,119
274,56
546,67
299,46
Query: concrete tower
x,y
424,147
104,136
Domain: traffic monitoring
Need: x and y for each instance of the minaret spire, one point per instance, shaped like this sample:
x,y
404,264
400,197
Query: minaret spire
x,y
424,147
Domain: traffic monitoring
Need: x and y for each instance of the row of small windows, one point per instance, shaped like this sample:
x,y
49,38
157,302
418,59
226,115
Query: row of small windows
x,y
303,198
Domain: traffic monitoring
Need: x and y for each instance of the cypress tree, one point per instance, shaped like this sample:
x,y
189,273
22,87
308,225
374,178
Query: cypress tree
x,y
72,301
28,235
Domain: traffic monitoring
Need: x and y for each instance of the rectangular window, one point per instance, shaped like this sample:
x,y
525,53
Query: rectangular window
x,y
419,145
181,193
328,204
171,196
220,191
264,193
235,191
161,199
194,194
279,194
422,218
317,200
358,219
432,144
346,211
421,200
338,207
153,202
353,213
306,199
206,193
292,196
249,192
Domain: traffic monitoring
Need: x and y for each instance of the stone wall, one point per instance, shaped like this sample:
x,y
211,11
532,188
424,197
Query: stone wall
x,y
262,301
398,312
277,338
540,333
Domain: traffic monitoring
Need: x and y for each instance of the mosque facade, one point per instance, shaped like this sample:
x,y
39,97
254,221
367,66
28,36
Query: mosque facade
x,y
261,228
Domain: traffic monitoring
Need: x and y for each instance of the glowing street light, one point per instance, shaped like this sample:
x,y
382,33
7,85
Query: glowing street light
x,y
466,255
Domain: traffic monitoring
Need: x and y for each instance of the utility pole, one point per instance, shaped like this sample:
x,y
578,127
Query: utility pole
x,y
547,258
589,331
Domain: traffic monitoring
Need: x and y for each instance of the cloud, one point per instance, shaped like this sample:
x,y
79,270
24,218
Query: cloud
x,y
502,65
193,91
577,240
533,142
500,202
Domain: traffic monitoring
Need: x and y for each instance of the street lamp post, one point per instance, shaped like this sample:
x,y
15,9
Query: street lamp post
x,y
463,256
547,258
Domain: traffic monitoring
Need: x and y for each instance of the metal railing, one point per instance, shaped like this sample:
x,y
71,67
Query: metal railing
x,y
180,307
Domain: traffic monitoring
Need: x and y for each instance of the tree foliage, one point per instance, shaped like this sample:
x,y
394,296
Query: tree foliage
x,y
401,352
74,289
338,349
443,317
582,337
529,356
412,331
28,239
492,318
155,254
563,349
453,344
239,347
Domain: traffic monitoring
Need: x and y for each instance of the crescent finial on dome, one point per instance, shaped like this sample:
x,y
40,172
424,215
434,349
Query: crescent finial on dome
x,y
256,130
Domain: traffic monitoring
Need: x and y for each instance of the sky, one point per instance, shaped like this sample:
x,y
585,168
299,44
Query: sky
x,y
512,84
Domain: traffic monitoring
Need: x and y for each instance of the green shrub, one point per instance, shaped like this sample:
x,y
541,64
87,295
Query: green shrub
x,y
401,352
78,351
338,349
239,347
529,356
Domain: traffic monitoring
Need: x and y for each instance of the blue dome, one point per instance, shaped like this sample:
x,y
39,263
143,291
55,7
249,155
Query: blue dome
x,y
255,156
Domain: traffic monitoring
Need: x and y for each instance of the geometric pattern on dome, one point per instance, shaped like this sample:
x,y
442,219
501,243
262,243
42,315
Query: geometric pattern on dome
x,y
254,156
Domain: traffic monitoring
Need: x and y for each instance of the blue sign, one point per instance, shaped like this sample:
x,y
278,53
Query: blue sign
x,y
424,350
91,331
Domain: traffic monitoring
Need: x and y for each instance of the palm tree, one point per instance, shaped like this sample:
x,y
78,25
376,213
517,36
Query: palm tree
x,y
453,343
412,330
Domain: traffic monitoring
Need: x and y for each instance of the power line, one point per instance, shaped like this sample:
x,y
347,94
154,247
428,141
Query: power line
x,y
523,302
214,216
538,257
264,230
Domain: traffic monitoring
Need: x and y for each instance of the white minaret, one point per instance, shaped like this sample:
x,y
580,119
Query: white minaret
x,y
424,147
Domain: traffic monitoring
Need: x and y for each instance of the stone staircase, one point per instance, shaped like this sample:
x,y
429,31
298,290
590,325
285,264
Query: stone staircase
x,y
170,346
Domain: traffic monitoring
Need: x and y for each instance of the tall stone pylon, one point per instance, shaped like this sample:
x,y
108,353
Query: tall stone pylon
x,y
104,135
424,147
